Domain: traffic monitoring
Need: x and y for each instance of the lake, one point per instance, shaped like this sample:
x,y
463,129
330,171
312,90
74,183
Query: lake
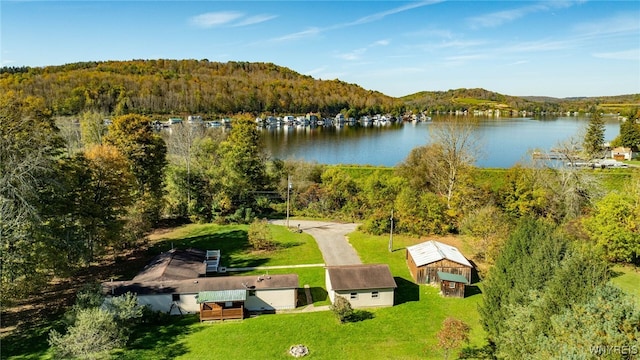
x,y
506,141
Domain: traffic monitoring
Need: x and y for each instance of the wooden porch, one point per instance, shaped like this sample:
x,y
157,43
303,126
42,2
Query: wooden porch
x,y
221,311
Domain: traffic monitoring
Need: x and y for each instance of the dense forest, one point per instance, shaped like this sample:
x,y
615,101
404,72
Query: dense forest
x,y
185,87
188,87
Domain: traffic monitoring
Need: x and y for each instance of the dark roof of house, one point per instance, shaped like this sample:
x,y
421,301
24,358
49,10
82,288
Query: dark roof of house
x,y
174,265
361,277
192,286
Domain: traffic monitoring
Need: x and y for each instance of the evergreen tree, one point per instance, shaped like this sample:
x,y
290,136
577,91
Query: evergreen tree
x,y
594,138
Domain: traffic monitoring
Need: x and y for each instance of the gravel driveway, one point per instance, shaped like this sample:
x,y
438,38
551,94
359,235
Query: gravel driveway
x,y
331,239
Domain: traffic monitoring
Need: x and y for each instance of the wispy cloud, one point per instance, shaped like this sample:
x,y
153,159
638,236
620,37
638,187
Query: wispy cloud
x,y
615,25
500,17
633,54
363,20
255,19
357,54
231,18
298,35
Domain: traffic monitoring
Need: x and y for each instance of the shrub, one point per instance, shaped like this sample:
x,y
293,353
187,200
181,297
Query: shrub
x,y
341,307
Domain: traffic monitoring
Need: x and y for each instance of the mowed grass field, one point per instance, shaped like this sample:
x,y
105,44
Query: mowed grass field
x,y
406,331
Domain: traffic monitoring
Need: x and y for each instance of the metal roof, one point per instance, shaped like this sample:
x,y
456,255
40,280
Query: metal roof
x,y
432,251
452,277
222,296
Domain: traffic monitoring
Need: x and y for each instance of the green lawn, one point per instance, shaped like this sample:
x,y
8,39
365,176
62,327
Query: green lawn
x,y
628,279
404,331
293,248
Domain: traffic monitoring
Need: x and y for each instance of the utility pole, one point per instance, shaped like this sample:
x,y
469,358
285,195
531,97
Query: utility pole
x,y
391,234
288,191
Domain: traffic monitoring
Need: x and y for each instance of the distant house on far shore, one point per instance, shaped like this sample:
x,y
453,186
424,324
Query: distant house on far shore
x,y
622,153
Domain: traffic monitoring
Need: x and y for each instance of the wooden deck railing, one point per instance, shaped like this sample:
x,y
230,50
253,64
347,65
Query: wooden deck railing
x,y
222,314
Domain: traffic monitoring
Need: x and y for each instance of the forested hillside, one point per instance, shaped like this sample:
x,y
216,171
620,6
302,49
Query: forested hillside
x,y
188,87
204,87
481,99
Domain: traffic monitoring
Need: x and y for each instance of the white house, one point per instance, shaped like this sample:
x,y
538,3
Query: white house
x,y
175,282
622,153
364,285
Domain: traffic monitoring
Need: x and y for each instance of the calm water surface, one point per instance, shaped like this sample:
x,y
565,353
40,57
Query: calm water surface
x,y
505,141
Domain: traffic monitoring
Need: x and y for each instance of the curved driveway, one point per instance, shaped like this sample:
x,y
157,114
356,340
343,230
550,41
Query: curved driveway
x,y
331,239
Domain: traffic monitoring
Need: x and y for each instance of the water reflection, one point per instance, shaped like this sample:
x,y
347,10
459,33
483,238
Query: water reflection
x,y
505,141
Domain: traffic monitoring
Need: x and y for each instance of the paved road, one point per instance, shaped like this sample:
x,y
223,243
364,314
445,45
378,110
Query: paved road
x,y
331,240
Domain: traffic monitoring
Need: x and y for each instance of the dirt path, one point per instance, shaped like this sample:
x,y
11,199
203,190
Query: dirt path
x,y
331,239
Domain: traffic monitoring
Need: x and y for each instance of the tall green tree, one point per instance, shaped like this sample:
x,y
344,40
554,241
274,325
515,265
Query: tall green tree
x,y
146,152
593,142
244,163
629,134
29,145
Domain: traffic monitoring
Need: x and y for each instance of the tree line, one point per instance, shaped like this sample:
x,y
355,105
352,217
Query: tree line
x,y
189,87
212,88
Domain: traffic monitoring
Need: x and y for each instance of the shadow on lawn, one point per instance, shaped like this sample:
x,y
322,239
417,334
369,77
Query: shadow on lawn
x,y
230,243
160,339
406,291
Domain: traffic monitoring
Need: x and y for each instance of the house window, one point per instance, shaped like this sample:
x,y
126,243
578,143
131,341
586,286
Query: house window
x,y
353,296
375,294
452,285
175,297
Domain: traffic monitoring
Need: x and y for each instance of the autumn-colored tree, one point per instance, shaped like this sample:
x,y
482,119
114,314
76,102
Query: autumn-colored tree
x,y
110,195
133,136
454,333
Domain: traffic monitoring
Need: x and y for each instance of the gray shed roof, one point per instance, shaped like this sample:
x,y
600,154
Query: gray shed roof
x,y
361,277
432,251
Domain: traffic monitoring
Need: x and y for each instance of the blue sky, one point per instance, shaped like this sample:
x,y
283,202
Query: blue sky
x,y
551,48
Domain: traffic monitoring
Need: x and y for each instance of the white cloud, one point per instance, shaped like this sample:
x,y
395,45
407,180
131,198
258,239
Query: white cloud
x,y
298,35
360,21
256,19
357,54
633,54
500,17
232,18
213,19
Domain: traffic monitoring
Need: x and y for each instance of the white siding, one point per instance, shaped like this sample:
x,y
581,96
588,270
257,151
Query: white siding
x,y
364,298
327,283
275,299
